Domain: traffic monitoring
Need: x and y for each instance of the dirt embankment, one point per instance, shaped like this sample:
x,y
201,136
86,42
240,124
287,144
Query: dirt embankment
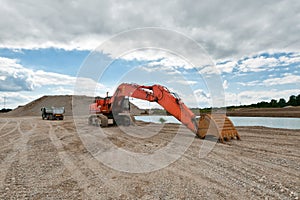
x,y
34,108
266,112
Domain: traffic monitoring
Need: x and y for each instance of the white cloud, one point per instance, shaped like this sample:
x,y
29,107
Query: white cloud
x,y
287,60
203,98
89,87
21,85
286,79
225,29
15,99
146,54
258,64
159,57
159,68
160,60
49,78
171,62
182,81
225,84
15,77
227,66
59,90
251,83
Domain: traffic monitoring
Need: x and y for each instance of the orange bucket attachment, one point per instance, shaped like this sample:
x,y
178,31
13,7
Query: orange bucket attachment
x,y
218,124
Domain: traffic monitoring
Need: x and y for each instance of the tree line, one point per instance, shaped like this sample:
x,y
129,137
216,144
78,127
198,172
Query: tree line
x,y
293,101
280,103
4,110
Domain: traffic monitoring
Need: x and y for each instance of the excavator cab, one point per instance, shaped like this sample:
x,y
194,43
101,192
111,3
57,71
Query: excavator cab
x,y
121,112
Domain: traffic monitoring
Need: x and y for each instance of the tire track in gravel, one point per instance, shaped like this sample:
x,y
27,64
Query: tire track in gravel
x,y
259,150
12,130
23,146
5,123
19,148
258,162
204,181
8,141
265,157
76,174
208,173
238,176
100,174
234,177
216,167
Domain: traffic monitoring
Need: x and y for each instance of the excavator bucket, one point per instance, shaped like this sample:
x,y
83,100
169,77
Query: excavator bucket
x,y
218,124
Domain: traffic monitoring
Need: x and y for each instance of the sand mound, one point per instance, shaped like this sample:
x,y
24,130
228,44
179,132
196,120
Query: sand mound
x,y
34,108
80,106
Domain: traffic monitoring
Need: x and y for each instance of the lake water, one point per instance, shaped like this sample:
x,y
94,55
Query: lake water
x,y
272,122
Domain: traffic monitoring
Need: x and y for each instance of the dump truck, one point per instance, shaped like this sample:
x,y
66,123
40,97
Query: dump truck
x,y
116,110
53,113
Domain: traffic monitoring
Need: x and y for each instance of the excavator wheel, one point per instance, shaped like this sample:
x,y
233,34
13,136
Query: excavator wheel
x,y
97,122
90,120
218,124
126,121
103,119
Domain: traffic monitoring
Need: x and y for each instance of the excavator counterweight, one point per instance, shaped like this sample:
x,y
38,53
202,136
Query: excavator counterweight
x,y
115,110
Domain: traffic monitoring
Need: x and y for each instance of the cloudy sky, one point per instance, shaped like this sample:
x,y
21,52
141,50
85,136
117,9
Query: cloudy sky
x,y
254,46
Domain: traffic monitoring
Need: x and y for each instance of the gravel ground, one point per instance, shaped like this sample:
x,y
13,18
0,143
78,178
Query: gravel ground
x,y
48,160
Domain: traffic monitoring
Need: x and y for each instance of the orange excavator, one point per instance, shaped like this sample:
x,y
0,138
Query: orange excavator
x,y
116,110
